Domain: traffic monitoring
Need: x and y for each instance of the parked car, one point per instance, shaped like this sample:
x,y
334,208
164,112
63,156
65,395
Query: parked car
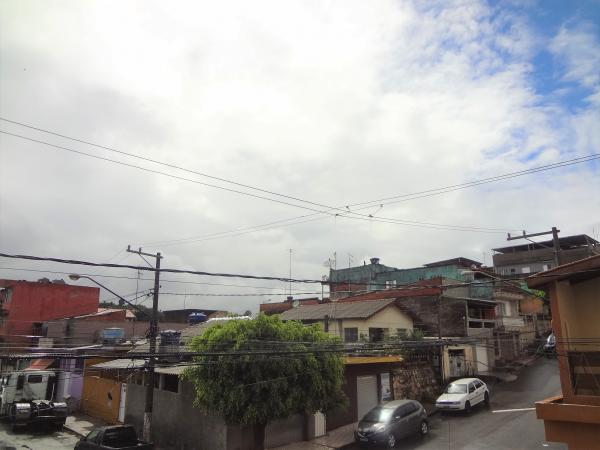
x,y
122,437
463,394
550,346
388,423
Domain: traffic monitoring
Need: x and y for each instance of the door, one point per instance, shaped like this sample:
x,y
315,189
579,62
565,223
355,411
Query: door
x,y
457,363
366,394
122,403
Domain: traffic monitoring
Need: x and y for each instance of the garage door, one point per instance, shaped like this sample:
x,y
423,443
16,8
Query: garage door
x,y
366,394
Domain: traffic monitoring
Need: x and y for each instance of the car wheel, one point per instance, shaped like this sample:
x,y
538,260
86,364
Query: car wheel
x,y
486,399
424,429
468,407
391,441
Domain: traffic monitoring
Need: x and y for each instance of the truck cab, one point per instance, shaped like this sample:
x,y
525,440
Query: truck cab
x,y
27,396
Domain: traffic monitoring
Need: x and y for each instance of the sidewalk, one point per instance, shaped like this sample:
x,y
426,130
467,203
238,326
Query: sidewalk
x,y
81,424
339,438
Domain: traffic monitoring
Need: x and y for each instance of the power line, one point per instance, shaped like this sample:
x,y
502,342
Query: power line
x,y
343,212
328,210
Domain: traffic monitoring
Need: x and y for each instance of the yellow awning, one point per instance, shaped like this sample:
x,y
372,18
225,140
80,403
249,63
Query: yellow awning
x,y
372,359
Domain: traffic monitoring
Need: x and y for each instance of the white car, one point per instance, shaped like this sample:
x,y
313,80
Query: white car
x,y
463,394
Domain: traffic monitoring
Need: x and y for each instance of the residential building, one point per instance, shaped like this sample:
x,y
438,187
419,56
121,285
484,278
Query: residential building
x,y
534,257
376,276
371,321
186,425
26,305
368,379
574,416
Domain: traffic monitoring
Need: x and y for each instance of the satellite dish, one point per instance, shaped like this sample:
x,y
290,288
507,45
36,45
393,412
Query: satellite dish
x,y
295,303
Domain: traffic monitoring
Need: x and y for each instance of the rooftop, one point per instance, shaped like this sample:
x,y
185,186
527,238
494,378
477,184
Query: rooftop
x,y
350,310
578,270
566,243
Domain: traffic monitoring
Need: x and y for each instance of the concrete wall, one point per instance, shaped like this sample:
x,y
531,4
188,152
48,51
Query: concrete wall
x,y
178,425
81,332
425,312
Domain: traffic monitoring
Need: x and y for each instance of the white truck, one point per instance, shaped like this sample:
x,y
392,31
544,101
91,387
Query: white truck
x,y
26,397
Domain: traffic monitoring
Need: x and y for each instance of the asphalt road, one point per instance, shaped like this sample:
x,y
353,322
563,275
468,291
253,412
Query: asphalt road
x,y
489,430
35,440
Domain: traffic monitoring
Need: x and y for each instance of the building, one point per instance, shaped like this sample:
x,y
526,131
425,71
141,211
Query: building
x,y
26,305
534,257
369,380
574,416
376,276
184,426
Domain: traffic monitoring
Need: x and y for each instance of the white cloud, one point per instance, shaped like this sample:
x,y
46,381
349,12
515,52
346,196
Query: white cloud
x,y
333,102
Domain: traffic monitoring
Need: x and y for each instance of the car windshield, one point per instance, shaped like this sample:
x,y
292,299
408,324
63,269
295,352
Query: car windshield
x,y
378,415
456,389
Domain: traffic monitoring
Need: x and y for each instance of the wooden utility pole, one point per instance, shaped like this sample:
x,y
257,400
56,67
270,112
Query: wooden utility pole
x,y
147,430
555,242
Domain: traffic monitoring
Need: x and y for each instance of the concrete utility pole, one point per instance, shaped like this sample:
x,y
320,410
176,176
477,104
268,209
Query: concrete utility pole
x,y
147,430
555,242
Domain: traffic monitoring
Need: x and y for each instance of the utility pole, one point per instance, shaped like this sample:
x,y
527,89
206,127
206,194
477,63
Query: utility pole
x,y
555,242
147,430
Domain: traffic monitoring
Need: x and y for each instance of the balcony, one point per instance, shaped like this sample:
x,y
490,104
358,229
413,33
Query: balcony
x,y
510,322
575,424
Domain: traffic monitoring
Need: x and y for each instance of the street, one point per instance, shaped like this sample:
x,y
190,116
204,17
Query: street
x,y
486,429
35,440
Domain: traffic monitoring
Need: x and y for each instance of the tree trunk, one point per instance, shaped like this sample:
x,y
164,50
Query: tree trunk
x,y
259,436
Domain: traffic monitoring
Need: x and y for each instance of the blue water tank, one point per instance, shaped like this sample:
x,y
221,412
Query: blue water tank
x,y
196,317
112,335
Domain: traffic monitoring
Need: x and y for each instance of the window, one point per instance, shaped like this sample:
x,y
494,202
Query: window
x,y
390,284
525,269
477,384
401,332
171,383
378,334
471,388
34,379
351,334
20,382
92,436
513,270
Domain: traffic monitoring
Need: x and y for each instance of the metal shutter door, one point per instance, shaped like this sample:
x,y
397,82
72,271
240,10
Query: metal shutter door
x,y
366,394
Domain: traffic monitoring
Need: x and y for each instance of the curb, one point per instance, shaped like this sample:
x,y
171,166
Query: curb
x,y
68,429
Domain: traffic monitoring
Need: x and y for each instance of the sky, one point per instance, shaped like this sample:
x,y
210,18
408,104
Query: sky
x,y
224,134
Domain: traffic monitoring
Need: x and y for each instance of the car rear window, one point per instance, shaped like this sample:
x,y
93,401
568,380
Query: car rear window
x,y
454,388
120,437
378,414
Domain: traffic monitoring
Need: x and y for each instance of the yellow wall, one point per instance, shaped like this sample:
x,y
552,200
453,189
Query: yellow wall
x,y
95,399
390,317
579,306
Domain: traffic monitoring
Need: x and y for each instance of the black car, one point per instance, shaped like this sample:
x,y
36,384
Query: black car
x,y
388,423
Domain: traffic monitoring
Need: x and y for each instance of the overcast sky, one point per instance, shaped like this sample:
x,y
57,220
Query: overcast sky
x,y
335,103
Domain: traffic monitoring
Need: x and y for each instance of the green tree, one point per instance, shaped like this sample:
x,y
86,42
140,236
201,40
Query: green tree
x,y
251,388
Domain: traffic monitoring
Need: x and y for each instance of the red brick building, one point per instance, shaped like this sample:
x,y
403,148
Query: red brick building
x,y
25,305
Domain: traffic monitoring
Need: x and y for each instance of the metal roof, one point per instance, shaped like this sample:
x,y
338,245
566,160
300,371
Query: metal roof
x,y
334,310
171,370
121,364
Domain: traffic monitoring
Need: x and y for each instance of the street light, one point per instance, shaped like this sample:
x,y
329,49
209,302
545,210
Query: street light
x,y
76,277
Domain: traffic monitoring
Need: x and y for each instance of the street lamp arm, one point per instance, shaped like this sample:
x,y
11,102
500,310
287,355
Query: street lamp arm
x,y
76,277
